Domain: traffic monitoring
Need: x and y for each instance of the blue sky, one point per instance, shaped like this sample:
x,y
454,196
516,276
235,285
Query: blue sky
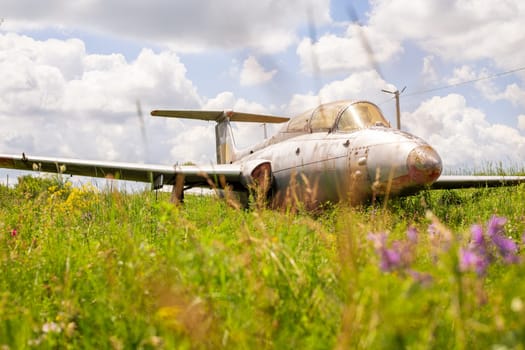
x,y
74,71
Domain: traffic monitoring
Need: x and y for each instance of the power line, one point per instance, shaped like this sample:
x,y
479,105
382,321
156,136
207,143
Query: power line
x,y
497,75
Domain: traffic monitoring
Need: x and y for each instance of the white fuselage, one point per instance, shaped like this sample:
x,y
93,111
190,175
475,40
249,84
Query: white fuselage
x,y
352,166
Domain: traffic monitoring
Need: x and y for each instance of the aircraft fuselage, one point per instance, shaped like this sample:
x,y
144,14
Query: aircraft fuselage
x,y
350,166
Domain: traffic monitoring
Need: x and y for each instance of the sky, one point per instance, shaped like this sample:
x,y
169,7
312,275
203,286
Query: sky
x,y
79,78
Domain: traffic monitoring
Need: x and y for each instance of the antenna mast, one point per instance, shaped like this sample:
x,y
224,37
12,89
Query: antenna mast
x,y
398,110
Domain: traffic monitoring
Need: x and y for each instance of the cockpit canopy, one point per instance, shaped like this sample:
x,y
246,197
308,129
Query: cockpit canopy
x,y
338,116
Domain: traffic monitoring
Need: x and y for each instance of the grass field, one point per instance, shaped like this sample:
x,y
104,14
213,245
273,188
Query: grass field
x,y
90,268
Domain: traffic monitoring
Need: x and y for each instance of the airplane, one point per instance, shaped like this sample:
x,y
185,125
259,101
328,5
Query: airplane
x,y
342,151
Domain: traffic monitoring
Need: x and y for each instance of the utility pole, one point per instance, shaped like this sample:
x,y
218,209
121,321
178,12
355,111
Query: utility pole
x,y
398,110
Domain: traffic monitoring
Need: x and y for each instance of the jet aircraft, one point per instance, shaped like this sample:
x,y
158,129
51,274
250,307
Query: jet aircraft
x,y
343,151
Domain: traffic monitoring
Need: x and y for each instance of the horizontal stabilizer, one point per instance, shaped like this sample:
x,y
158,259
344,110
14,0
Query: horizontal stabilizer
x,y
218,115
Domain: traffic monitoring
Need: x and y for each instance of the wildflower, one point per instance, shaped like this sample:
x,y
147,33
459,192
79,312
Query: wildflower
x,y
51,327
432,229
379,239
424,279
478,243
390,259
516,304
495,225
70,328
506,246
470,260
412,234
440,236
14,232
481,250
156,341
396,257
477,235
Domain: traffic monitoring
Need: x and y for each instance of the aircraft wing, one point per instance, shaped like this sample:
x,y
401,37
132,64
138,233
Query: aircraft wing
x,y
158,175
466,181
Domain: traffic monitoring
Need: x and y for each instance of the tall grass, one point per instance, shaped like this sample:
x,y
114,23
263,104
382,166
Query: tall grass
x,y
88,268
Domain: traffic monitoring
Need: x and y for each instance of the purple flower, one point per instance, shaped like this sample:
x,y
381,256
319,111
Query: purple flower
x,y
424,279
390,260
412,234
432,229
475,257
472,261
477,235
379,239
478,242
396,256
495,225
506,246
481,250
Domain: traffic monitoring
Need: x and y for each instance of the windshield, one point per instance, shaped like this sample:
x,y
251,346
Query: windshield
x,y
359,116
323,118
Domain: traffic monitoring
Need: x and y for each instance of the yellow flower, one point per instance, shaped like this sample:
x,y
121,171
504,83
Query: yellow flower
x,y
168,315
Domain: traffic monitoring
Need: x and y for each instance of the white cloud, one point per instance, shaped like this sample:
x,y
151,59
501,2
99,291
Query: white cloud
x,y
195,143
266,25
521,122
97,82
245,134
334,53
429,72
80,105
302,102
253,73
456,30
462,135
489,88
463,74
224,100
88,102
362,85
513,93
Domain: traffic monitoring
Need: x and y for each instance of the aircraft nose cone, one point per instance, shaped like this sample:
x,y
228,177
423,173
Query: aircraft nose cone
x,y
424,165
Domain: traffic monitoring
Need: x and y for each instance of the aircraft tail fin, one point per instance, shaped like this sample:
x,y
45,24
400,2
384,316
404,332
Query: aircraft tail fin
x,y
225,144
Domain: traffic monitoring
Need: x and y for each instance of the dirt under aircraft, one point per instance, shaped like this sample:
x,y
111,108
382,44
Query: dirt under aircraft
x,y
340,151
